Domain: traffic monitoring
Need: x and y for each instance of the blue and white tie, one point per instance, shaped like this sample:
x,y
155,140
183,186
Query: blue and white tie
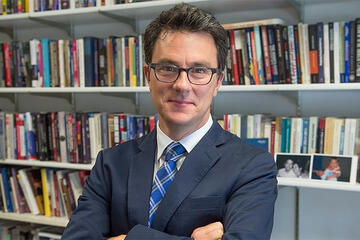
x,y
164,176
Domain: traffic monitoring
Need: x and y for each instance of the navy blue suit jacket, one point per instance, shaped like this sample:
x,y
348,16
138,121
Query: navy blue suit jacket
x,y
222,179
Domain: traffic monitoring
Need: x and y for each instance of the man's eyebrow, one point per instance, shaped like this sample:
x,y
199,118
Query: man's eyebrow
x,y
167,61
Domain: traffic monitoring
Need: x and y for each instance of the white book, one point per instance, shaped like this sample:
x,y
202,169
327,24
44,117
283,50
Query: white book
x,y
14,199
336,52
28,193
307,76
267,131
21,133
31,6
33,45
116,129
81,61
72,4
352,137
62,136
59,177
292,54
250,126
357,138
75,185
293,134
98,3
61,62
236,125
326,54
336,136
313,127
257,125
298,135
97,118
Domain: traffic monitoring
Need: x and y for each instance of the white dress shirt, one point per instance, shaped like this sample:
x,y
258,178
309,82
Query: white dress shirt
x,y
189,142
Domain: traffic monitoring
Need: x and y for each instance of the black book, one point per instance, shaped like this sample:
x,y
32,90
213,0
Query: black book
x,y
352,57
26,67
357,49
297,53
286,55
2,67
280,53
320,38
49,137
42,139
313,53
102,62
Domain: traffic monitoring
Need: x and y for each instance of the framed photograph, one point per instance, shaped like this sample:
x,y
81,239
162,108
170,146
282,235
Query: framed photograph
x,y
293,165
335,168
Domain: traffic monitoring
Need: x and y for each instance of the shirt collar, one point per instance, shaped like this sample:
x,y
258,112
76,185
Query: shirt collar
x,y
189,142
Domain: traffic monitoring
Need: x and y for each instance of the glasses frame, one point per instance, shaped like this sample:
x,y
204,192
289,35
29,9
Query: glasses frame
x,y
213,71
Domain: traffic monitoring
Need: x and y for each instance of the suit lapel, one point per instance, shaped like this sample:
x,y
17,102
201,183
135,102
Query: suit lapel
x,y
140,181
195,167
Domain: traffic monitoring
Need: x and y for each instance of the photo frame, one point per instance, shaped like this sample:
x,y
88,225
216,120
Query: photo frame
x,y
291,165
334,168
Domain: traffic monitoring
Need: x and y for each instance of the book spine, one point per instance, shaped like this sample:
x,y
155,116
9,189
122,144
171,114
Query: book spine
x,y
239,56
254,58
2,136
313,56
233,58
357,49
320,45
46,62
342,51
337,52
292,55
326,55
352,54
259,54
8,76
266,50
331,52
286,55
280,53
297,43
31,136
250,56
347,51
273,57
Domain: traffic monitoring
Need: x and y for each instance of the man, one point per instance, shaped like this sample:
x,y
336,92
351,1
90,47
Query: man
x,y
287,170
189,177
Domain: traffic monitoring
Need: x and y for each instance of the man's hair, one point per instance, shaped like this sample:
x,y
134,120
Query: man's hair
x,y
184,17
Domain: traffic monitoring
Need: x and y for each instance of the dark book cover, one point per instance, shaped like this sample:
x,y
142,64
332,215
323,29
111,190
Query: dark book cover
x,y
266,55
320,136
2,67
137,59
55,136
7,190
87,152
313,53
234,64
286,55
26,67
297,54
357,49
280,53
273,57
104,130
127,63
250,60
49,137
95,47
79,136
89,61
65,4
347,51
320,38
352,57
17,64
102,62
331,51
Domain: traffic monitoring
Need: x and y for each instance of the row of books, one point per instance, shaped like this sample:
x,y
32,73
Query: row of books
x,y
67,137
85,62
26,231
25,6
328,135
294,54
42,191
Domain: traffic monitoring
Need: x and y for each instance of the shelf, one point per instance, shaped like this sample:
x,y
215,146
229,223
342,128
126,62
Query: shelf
x,y
48,164
319,184
224,88
30,218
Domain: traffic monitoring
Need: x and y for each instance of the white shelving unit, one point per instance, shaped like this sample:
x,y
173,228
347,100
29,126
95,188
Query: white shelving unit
x,y
278,100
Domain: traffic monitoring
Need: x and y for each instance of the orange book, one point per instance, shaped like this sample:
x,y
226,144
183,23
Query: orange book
x,y
253,48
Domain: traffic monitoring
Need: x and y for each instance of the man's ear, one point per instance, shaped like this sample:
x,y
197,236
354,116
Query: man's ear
x,y
147,73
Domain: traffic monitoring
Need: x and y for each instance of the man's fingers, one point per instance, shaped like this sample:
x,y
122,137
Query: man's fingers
x,y
211,231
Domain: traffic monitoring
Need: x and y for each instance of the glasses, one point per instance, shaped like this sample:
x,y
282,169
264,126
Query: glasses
x,y
170,73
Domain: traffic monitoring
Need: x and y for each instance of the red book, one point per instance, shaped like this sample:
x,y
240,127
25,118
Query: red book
x,y
238,49
266,51
226,122
122,129
253,48
233,58
7,55
57,201
75,63
20,137
152,123
83,174
54,137
272,141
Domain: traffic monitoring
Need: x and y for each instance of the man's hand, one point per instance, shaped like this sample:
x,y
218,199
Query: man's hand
x,y
120,237
213,231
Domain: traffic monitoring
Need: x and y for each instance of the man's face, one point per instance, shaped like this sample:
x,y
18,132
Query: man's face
x,y
289,165
182,104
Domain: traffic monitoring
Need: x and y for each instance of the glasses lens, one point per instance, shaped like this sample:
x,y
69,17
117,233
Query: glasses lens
x,y
200,75
166,73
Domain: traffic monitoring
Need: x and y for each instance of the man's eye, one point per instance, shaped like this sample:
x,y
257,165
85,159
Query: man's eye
x,y
199,70
168,68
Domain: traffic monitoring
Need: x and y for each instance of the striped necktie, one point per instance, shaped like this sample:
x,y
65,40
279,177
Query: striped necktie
x,y
164,176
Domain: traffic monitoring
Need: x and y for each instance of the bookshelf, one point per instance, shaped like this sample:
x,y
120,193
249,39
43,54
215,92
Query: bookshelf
x,y
290,100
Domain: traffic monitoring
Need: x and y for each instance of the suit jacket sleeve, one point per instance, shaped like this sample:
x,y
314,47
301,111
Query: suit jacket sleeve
x,y
90,220
249,211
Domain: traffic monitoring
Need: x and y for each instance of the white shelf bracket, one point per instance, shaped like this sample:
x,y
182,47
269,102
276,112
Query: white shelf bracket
x,y
297,6
61,26
129,21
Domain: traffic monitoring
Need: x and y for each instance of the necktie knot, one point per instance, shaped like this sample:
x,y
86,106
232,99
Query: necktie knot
x,y
174,151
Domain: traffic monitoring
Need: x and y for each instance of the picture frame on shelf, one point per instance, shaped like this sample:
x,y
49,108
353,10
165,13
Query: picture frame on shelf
x,y
334,168
293,165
